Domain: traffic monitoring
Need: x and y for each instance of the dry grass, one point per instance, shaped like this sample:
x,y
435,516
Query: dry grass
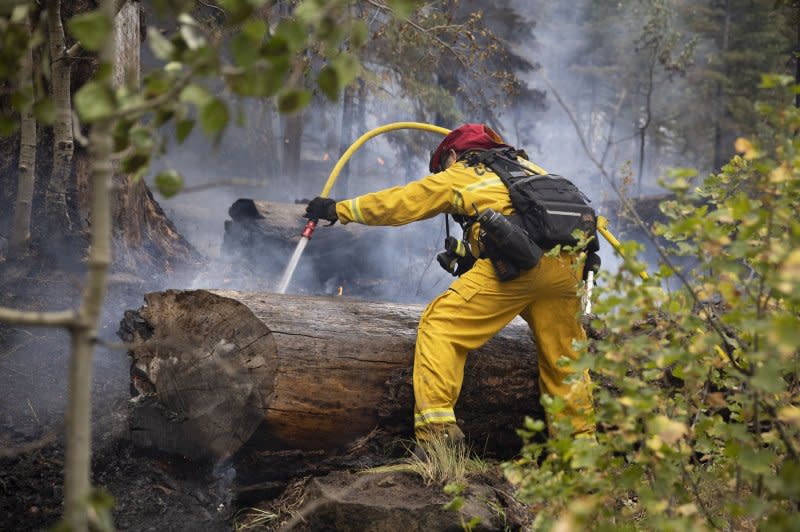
x,y
443,462
253,519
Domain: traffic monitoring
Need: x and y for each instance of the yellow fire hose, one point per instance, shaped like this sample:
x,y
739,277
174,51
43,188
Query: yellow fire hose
x,y
602,222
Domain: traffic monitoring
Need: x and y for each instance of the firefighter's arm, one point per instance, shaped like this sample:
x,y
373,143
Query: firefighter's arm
x,y
417,200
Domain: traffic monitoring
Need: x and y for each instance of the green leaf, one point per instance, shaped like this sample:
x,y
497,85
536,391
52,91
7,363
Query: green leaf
x,y
142,138
183,128
243,50
276,46
455,505
402,9
347,67
294,32
8,125
161,46
135,162
293,100
756,461
453,488
45,111
91,29
237,11
359,34
309,12
196,95
121,135
328,81
169,183
95,101
255,29
214,116
769,378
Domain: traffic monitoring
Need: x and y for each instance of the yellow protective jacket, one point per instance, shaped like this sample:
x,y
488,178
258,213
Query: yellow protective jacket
x,y
458,190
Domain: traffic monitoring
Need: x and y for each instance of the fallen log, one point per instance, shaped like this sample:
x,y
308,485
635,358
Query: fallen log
x,y
211,367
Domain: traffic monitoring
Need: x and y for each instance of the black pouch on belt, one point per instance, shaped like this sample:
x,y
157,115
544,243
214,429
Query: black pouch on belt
x,y
506,241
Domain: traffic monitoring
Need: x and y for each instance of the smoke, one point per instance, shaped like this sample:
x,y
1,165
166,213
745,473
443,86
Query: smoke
x,y
567,52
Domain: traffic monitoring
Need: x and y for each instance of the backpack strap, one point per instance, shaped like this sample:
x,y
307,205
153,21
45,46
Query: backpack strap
x,y
502,161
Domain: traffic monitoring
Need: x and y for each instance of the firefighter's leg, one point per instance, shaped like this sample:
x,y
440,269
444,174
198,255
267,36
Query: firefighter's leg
x,y
554,319
475,308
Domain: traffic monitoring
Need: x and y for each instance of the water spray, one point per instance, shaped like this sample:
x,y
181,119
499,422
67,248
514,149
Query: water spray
x,y
312,224
308,231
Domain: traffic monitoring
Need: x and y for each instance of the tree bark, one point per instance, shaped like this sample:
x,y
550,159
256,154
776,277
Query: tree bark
x,y
212,368
58,220
21,227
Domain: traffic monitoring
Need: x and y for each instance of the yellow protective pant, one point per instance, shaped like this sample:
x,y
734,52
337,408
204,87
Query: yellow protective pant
x,y
475,308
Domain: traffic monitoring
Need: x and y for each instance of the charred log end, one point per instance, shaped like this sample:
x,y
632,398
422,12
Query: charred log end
x,y
202,371
244,209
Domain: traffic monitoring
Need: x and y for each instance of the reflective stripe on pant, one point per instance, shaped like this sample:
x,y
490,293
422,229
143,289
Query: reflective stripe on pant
x,y
474,309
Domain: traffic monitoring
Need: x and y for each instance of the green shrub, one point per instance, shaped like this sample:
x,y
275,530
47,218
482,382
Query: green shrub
x,y
697,388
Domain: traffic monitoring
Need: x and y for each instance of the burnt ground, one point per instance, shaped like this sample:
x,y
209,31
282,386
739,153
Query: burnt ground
x,y
150,492
258,490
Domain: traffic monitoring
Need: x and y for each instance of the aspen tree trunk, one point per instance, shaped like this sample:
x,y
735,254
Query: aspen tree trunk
x,y
21,226
77,466
57,214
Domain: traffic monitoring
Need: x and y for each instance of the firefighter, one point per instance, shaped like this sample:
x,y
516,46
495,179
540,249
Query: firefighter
x,y
477,305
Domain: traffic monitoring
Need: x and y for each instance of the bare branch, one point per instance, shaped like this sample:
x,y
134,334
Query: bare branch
x,y
64,318
459,57
44,441
629,207
147,105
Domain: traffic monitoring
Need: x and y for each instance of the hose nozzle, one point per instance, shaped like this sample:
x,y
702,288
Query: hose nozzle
x,y
308,230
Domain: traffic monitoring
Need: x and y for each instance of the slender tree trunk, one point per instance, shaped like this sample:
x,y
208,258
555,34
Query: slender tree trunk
x,y
57,215
719,156
270,148
21,226
648,118
361,115
292,144
77,469
345,139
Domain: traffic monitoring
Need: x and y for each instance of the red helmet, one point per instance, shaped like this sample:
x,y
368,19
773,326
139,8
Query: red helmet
x,y
462,138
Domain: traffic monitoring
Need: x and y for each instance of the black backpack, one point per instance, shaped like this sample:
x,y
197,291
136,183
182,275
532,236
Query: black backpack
x,y
550,207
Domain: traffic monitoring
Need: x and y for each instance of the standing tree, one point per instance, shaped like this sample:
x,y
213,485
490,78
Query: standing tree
x,y
21,225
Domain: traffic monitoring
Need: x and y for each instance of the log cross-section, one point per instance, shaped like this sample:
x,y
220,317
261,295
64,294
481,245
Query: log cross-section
x,y
209,367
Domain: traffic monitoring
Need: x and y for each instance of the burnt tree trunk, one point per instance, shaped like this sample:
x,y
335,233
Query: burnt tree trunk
x,y
143,235
212,368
